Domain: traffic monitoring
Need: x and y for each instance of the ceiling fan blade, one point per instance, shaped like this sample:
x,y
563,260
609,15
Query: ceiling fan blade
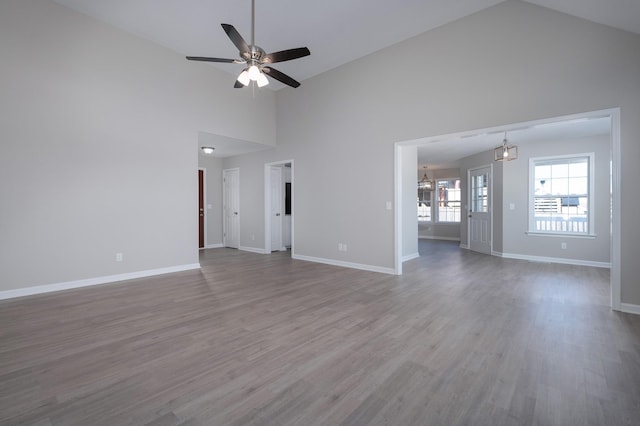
x,y
238,85
281,77
204,59
236,38
286,55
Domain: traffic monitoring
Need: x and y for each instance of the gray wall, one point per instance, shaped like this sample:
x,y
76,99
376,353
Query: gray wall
x,y
99,130
511,63
99,146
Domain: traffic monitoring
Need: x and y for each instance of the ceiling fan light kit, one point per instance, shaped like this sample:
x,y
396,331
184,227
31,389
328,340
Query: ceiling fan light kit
x,y
257,58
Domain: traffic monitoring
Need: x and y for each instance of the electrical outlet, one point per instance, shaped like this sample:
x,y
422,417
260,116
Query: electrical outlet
x,y
563,246
119,257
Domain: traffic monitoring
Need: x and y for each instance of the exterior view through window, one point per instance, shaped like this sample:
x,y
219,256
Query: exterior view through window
x,y
560,195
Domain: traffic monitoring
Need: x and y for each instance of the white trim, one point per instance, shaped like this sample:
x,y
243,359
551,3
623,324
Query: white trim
x,y
410,257
252,250
559,235
433,237
212,246
397,210
545,259
630,308
464,246
47,288
616,209
351,265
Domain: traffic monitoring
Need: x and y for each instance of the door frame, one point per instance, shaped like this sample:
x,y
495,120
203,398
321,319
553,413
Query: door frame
x,y
204,197
224,206
468,212
267,204
614,178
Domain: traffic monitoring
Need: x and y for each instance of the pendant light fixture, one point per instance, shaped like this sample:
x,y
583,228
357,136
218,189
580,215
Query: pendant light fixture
x,y
505,152
425,183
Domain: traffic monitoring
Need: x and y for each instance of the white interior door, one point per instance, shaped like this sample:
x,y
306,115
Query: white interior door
x,y
479,224
231,207
276,208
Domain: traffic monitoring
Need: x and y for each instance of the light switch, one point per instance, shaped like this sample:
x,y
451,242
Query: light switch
x,y
512,206
388,205
209,206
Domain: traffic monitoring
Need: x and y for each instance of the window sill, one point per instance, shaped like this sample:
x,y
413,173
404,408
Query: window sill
x,y
561,235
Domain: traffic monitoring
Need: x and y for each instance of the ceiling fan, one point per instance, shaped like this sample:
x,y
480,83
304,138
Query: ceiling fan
x,y
256,59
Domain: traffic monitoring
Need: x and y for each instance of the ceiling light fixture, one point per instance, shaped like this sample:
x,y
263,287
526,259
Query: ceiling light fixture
x,y
505,152
425,183
207,149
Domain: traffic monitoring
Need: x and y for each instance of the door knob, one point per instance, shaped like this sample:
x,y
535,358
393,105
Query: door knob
x,y
277,214
236,213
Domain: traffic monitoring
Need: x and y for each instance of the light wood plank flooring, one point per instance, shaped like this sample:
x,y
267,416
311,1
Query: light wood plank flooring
x,y
460,338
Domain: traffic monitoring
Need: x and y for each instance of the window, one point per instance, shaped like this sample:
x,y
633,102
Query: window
x,y
560,194
448,206
441,204
424,205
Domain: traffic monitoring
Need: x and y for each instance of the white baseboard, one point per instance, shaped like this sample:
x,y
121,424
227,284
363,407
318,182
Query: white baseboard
x,y
210,246
553,260
464,246
252,249
630,308
334,262
432,237
47,288
410,257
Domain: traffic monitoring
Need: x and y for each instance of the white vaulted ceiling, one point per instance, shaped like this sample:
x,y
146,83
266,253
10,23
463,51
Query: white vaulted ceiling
x,y
336,31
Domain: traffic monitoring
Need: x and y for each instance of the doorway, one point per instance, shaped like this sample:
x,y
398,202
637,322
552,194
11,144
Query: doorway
x,y
279,215
455,140
480,216
231,208
201,208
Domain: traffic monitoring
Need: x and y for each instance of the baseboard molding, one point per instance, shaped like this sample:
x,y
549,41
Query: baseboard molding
x,y
464,246
351,265
553,260
48,288
410,257
630,308
252,249
210,246
431,237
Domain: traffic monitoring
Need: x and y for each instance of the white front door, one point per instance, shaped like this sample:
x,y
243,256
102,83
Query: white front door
x,y
479,224
276,208
231,207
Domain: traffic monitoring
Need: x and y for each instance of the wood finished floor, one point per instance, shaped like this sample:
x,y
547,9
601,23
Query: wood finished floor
x,y
461,338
